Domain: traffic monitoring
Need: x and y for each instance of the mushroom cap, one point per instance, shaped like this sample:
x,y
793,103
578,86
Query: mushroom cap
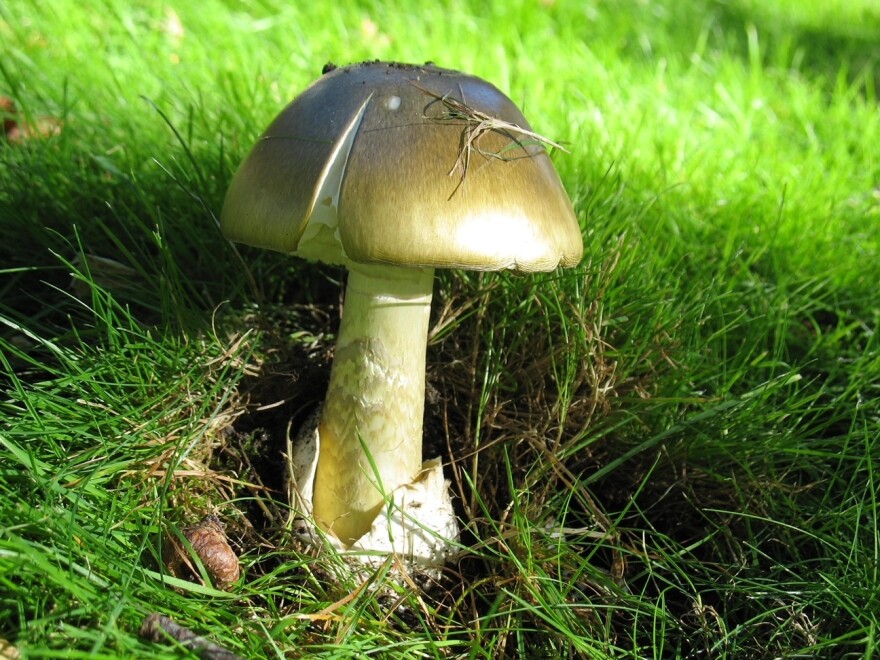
x,y
385,163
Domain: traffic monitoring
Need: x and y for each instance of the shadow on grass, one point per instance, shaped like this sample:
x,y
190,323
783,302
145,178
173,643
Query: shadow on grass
x,y
827,51
798,39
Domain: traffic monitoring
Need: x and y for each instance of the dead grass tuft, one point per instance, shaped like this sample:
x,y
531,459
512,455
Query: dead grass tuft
x,y
529,415
478,124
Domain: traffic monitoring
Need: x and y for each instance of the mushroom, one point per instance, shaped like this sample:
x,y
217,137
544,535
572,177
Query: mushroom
x,y
393,170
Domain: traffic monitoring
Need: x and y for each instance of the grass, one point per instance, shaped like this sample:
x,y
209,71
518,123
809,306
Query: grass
x,y
670,451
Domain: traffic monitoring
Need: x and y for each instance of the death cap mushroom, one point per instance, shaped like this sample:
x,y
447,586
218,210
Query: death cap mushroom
x,y
394,170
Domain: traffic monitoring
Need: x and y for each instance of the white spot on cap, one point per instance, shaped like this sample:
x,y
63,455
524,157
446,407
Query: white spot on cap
x,y
392,102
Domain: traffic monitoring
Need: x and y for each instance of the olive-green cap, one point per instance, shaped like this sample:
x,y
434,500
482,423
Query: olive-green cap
x,y
408,165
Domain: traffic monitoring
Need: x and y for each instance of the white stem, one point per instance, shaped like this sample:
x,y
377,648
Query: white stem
x,y
375,401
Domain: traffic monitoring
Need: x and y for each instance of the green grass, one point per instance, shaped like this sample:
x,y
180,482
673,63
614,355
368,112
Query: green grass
x,y
670,451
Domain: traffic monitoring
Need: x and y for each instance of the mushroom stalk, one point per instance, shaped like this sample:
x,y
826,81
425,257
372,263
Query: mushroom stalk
x,y
371,423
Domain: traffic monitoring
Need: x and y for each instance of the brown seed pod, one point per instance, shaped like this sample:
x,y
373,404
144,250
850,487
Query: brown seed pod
x,y
8,651
15,130
209,543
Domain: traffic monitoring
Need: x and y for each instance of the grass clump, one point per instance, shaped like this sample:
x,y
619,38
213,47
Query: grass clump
x,y
670,451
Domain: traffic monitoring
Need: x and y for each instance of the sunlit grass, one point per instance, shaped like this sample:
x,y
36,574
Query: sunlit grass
x,y
671,450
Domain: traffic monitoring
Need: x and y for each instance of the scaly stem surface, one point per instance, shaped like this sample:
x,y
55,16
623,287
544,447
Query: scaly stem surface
x,y
371,424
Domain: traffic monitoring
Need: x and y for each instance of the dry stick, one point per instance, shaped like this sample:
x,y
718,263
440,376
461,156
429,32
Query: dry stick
x,y
158,628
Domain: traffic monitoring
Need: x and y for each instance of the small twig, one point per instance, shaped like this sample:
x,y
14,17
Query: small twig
x,y
158,628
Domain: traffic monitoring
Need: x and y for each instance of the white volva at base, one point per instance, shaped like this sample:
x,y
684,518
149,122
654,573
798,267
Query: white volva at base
x,y
417,525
